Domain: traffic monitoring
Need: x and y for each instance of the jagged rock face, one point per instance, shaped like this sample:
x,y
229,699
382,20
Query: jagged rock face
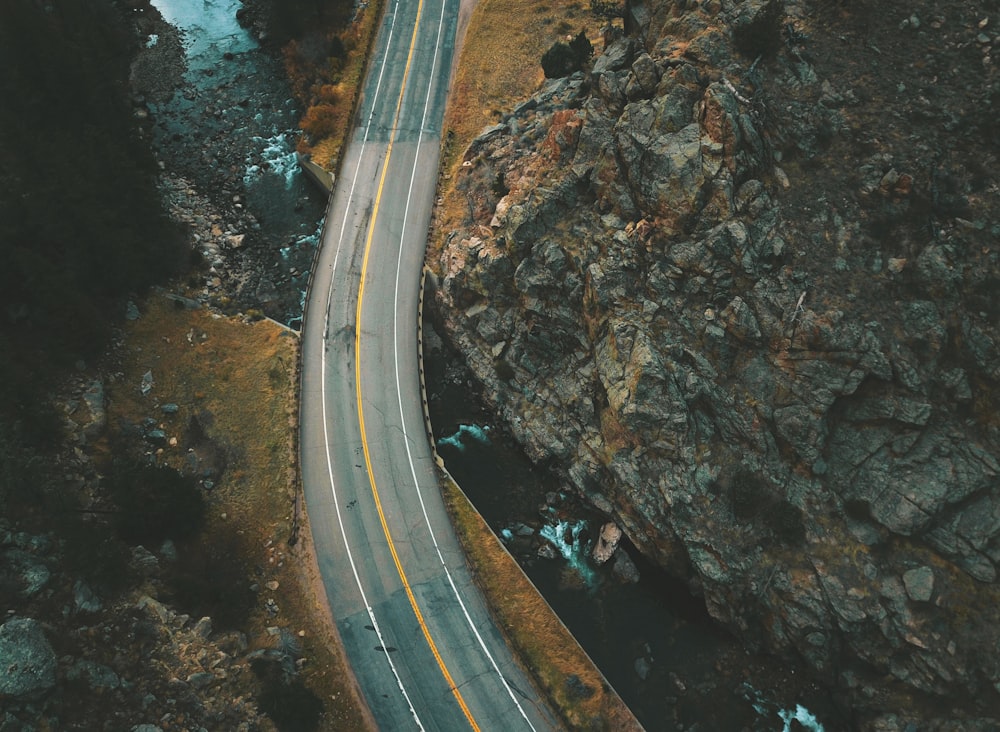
x,y
717,370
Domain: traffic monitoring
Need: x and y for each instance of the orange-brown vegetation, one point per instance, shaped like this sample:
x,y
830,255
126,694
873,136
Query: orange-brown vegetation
x,y
325,71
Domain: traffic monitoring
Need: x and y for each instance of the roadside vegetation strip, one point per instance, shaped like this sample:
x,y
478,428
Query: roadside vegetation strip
x,y
329,91
207,365
550,653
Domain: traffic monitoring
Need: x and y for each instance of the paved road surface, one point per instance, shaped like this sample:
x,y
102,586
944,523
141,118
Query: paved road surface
x,y
416,631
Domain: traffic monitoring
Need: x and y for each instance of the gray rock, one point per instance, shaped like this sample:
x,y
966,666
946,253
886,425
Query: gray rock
x,y
146,385
182,301
956,381
168,550
201,679
980,342
740,320
143,560
624,568
646,76
919,583
756,26
156,436
96,675
611,89
803,428
31,571
664,170
96,421
85,599
155,609
616,57
489,134
27,661
203,628
642,668
547,551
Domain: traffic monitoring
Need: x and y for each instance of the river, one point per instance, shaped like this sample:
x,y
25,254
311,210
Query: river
x,y
230,127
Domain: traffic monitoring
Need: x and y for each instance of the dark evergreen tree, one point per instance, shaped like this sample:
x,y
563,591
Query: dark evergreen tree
x,y
81,223
559,61
582,48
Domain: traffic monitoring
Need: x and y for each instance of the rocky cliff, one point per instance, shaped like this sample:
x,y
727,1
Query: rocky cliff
x,y
736,283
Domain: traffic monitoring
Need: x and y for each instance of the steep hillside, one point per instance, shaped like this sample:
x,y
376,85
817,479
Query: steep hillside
x,y
736,283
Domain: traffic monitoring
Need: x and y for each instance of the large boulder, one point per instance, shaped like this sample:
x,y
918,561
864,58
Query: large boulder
x,y
27,661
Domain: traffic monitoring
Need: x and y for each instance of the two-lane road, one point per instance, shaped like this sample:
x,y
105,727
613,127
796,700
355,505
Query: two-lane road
x,y
416,630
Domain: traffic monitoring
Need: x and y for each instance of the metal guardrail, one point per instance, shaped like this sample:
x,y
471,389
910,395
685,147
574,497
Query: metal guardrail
x,y
293,536
420,368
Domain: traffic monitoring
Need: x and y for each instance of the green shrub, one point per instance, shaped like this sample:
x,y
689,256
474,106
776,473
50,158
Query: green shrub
x,y
562,59
757,27
748,495
292,707
582,48
154,503
607,9
93,552
785,521
752,500
504,371
212,580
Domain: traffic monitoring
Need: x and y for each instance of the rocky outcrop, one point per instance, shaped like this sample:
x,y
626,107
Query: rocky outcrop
x,y
779,387
78,658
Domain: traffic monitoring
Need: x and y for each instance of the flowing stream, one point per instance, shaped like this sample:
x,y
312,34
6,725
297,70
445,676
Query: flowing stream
x,y
231,127
210,29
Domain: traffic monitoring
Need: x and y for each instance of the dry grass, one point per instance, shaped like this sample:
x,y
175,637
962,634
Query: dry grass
x,y
238,379
539,638
500,62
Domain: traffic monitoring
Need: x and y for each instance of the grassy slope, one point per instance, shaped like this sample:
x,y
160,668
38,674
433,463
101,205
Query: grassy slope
x,y
238,378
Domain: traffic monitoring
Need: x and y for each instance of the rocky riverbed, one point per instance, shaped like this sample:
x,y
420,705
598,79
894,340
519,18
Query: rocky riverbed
x,y
221,118
738,291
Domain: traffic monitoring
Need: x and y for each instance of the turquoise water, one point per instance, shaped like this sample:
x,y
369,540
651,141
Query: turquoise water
x,y
232,129
209,28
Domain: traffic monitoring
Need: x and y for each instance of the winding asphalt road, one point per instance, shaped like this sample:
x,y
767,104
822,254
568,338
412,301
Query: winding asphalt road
x,y
416,630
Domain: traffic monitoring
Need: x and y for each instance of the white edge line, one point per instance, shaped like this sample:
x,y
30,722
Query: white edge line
x,y
399,395
326,435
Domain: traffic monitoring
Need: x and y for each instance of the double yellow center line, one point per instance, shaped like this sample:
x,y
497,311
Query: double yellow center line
x,y
357,381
